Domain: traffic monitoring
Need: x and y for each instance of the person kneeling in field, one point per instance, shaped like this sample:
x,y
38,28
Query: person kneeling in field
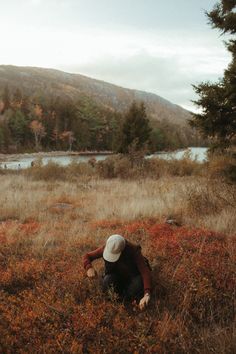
x,y
127,271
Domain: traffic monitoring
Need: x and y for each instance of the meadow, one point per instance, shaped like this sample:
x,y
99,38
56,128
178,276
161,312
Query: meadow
x,y
183,215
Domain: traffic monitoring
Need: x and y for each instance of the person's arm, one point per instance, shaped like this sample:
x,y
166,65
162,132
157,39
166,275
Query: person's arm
x,y
88,258
144,271
146,277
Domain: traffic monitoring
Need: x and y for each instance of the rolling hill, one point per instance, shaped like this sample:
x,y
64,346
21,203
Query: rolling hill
x,y
34,81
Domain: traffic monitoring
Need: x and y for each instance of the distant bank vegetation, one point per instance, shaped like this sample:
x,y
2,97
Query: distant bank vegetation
x,y
30,123
134,168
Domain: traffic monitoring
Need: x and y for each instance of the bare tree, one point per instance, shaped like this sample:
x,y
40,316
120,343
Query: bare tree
x,y
68,136
39,132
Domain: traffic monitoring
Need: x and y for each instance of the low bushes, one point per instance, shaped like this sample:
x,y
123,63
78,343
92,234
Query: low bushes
x,y
222,167
120,166
124,167
209,197
54,172
134,167
49,172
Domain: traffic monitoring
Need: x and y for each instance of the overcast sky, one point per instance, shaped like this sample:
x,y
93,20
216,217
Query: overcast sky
x,y
152,45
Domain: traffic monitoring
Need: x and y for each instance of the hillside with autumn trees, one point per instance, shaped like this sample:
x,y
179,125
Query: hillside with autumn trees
x,y
35,114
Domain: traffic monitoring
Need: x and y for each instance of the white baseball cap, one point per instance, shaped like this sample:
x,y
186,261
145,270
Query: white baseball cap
x,y
114,246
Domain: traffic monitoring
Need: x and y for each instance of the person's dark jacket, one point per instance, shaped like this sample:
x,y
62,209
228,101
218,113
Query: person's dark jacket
x,y
130,264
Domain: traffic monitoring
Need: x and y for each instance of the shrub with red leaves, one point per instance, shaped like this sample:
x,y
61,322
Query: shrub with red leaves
x,y
47,305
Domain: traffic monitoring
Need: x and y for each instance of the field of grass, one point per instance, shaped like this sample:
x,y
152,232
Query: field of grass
x,y
50,217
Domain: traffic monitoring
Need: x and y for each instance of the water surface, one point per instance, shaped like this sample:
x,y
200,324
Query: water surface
x,y
197,154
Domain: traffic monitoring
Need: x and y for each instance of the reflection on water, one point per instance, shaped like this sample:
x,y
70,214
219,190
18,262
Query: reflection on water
x,y
198,154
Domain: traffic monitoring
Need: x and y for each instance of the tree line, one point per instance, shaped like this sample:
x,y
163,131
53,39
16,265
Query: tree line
x,y
56,123
49,123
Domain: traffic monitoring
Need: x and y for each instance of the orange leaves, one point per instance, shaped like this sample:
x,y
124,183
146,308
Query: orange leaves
x,y
106,224
38,111
30,228
67,136
87,317
137,227
2,236
37,127
48,305
125,228
38,130
20,275
13,232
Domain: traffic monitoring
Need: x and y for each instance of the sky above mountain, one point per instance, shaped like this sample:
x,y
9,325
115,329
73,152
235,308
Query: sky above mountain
x,y
153,45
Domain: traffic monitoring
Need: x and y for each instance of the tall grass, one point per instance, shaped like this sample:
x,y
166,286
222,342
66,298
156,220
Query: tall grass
x,y
192,200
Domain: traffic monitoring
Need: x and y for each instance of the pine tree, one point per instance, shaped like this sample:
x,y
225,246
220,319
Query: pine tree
x,y
6,138
136,130
218,100
18,125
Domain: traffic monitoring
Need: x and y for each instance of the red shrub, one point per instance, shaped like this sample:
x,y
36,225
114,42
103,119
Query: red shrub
x,y
47,305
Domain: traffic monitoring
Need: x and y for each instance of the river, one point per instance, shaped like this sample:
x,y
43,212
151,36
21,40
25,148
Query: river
x,y
198,154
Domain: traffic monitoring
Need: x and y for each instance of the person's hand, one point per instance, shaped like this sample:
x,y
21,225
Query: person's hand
x,y
144,301
91,272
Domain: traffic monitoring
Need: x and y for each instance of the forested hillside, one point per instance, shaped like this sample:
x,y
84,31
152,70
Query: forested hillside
x,y
51,110
35,81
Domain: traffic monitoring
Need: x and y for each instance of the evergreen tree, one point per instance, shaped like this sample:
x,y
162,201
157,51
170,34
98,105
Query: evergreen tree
x,y
1,138
6,139
157,140
18,125
218,100
136,130
6,99
25,105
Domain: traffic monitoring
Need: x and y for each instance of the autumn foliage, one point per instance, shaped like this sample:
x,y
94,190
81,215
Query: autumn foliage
x,y
47,305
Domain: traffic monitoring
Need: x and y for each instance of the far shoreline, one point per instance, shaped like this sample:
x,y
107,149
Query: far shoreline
x,y
42,154
25,160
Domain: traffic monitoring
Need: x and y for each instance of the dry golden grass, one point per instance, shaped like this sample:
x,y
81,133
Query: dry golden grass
x,y
192,201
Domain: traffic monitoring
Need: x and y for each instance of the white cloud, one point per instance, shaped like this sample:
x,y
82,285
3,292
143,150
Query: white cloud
x,y
36,2
166,62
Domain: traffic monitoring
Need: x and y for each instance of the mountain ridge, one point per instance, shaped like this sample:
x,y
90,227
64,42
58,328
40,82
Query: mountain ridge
x,y
55,82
